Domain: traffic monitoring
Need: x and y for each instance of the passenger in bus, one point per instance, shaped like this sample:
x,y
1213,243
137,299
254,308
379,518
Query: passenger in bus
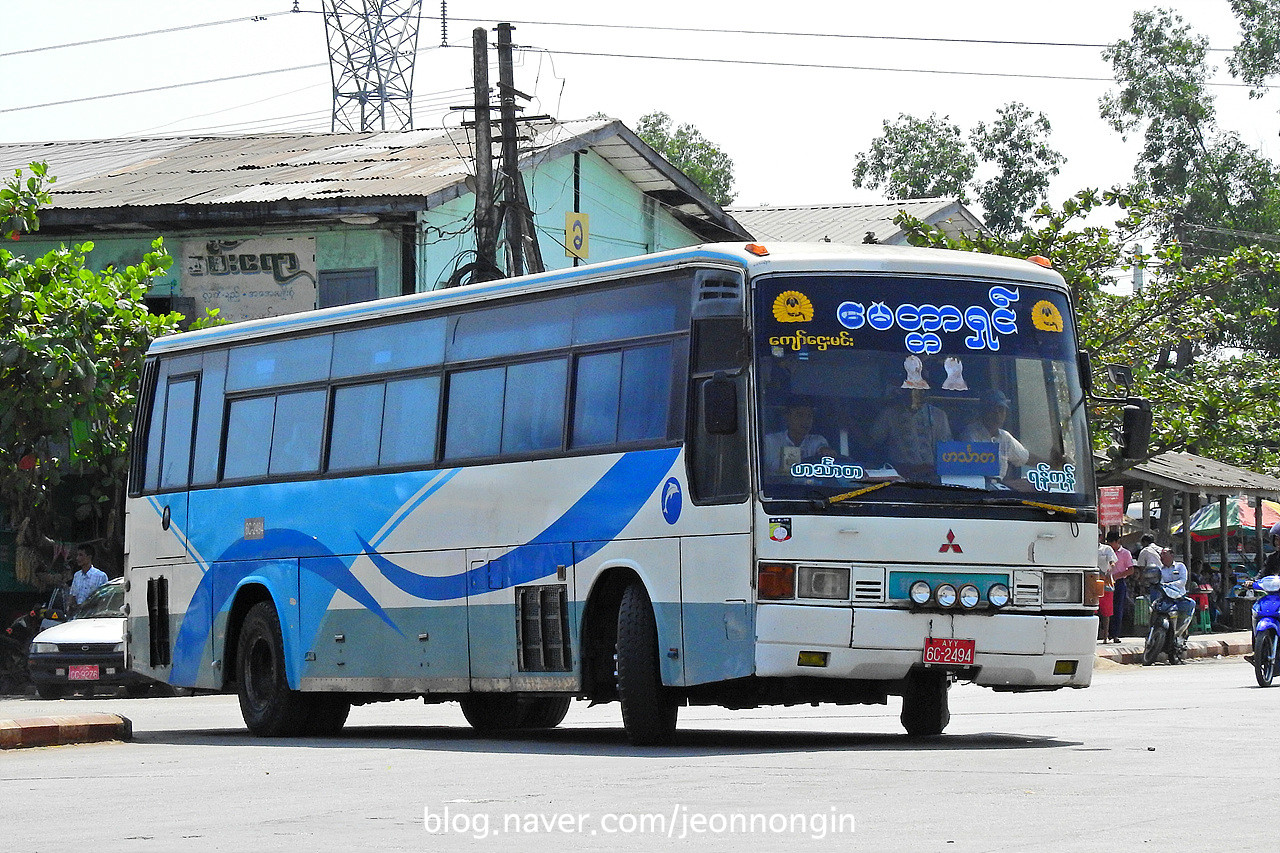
x,y
797,443
909,429
989,427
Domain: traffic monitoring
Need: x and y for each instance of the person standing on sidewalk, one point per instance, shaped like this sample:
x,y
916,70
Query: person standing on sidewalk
x,y
1106,565
88,578
1119,575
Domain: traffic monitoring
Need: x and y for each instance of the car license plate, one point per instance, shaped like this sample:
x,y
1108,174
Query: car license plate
x,y
83,672
939,651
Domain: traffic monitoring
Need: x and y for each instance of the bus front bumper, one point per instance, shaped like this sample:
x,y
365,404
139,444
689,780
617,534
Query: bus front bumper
x,y
1011,650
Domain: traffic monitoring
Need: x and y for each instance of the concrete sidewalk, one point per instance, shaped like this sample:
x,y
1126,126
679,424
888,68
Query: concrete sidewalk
x,y
1198,646
63,729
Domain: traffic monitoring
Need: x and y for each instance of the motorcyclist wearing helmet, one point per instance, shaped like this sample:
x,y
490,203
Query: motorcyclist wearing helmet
x,y
1272,564
1173,586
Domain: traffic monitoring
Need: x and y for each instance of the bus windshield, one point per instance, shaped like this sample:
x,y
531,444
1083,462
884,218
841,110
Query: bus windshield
x,y
931,389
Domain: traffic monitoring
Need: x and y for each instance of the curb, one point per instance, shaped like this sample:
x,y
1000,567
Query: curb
x,y
1195,649
62,730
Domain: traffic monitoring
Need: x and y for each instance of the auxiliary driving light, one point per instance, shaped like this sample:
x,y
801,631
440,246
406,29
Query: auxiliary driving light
x,y
920,592
969,596
946,595
998,595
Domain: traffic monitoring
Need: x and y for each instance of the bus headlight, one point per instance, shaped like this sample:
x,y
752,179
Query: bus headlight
x,y
1063,588
946,595
998,595
969,596
822,582
920,592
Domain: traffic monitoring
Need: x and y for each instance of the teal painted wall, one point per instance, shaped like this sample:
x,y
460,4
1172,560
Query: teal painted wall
x,y
118,252
623,221
335,250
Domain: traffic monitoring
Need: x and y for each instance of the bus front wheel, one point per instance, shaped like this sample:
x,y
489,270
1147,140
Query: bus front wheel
x,y
924,703
648,710
269,707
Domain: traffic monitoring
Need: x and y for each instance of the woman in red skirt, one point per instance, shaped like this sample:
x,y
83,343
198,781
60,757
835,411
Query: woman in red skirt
x,y
1106,565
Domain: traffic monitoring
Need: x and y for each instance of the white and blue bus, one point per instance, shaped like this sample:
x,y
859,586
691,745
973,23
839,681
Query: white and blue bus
x,y
725,475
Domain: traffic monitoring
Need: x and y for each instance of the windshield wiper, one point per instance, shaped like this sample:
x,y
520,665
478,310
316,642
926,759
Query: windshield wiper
x,y
1035,504
909,484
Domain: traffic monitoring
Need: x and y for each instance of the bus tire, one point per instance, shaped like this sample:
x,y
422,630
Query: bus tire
x,y
491,712
268,706
925,712
543,712
648,710
326,714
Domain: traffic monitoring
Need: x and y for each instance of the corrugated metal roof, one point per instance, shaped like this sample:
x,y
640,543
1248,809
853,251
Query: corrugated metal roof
x,y
1190,473
104,175
850,223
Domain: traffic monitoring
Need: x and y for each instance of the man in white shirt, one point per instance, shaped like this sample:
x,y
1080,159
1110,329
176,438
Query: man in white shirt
x,y
87,578
795,444
1148,559
990,428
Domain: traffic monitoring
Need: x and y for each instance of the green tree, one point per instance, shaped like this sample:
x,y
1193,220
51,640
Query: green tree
x,y
72,342
1222,193
1161,72
1017,144
917,158
1223,403
931,158
684,146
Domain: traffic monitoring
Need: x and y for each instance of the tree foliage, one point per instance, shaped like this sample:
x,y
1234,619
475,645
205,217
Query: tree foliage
x,y
932,158
684,146
1223,404
1016,143
917,158
72,342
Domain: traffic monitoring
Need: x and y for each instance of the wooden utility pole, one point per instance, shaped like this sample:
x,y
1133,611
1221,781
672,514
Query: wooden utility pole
x,y
522,240
486,268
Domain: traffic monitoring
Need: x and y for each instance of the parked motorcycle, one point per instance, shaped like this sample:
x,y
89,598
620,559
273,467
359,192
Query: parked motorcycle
x,y
1168,630
16,639
1266,629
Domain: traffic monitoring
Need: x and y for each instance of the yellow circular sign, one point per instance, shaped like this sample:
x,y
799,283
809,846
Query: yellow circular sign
x,y
792,306
1046,316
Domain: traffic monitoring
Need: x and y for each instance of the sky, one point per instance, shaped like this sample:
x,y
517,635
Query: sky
x,y
792,101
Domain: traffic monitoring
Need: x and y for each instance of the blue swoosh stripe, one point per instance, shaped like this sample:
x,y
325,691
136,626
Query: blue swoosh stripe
x,y
594,520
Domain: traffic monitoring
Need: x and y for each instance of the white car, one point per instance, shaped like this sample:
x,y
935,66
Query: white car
x,y
86,652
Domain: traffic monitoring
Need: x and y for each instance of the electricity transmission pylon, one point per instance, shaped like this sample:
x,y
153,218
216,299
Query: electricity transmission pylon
x,y
372,44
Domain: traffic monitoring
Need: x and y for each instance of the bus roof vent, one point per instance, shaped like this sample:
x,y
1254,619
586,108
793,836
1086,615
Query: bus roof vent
x,y
717,293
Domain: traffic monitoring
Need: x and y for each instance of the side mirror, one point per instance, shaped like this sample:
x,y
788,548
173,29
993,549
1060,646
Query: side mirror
x,y
1086,372
1135,428
720,405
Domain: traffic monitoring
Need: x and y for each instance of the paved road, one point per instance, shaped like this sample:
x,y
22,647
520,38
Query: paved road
x,y
1160,756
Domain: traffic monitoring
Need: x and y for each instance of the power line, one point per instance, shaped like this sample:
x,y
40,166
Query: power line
x,y
124,36
652,57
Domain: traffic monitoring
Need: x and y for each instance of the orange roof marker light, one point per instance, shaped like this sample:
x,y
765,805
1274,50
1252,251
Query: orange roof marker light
x,y
756,249
1041,260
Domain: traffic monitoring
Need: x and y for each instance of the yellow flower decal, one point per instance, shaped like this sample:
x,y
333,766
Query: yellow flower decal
x,y
792,306
1046,316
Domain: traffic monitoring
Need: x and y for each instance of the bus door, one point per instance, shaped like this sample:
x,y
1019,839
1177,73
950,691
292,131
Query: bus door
x,y
519,629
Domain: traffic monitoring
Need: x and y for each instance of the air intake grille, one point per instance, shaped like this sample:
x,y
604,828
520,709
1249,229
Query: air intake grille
x,y
542,622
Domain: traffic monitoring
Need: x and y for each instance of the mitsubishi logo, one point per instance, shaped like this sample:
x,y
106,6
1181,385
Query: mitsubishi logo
x,y
950,544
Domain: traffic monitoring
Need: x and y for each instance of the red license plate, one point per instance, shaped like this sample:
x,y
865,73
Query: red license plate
x,y
83,672
939,651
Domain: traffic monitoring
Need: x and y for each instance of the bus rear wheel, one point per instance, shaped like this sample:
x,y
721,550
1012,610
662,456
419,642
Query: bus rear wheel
x,y
269,707
925,712
326,714
648,709
490,712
